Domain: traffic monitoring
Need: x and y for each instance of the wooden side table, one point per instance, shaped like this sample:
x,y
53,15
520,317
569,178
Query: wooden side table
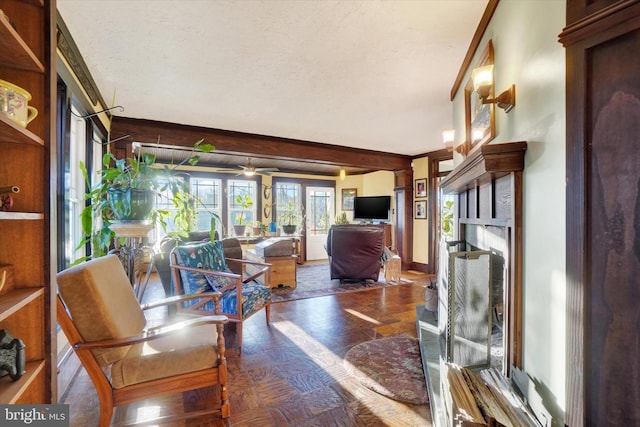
x,y
283,269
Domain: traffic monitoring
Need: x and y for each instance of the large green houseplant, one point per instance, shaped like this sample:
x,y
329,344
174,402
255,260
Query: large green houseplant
x,y
127,191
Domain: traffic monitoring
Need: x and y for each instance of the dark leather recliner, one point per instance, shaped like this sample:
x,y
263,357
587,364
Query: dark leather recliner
x,y
355,251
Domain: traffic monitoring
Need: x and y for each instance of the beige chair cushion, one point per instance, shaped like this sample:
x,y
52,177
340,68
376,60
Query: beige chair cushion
x,y
102,304
172,355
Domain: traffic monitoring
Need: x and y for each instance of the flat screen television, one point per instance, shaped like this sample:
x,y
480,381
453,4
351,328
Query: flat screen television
x,y
372,208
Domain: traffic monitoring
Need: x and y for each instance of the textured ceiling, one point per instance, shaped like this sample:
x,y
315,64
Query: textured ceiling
x,y
363,74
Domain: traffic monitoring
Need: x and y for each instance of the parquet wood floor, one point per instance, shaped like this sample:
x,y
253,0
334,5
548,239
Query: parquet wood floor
x,y
291,372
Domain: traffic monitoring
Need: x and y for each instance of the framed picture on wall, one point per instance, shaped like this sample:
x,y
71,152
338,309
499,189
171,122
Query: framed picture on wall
x,y
420,210
348,194
480,123
421,187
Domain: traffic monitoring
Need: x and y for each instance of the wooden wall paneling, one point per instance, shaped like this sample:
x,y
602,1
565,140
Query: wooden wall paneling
x,y
582,9
472,203
463,211
613,206
503,198
575,239
603,88
514,271
51,177
485,200
31,195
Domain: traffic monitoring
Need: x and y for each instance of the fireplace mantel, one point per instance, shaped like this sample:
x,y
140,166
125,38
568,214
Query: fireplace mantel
x,y
487,189
487,163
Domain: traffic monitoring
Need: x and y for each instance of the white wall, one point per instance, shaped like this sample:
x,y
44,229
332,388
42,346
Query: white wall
x,y
371,184
527,53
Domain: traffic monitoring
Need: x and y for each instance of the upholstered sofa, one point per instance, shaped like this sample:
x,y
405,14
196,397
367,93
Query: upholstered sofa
x,y
355,251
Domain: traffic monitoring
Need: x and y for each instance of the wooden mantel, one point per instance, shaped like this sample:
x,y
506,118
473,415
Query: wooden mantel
x,y
488,192
489,162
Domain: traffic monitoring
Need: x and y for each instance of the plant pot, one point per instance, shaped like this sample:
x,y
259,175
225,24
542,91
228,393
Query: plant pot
x,y
431,299
257,231
131,204
239,230
289,229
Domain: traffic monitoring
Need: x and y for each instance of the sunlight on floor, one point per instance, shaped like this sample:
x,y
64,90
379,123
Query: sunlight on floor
x,y
148,413
363,317
286,327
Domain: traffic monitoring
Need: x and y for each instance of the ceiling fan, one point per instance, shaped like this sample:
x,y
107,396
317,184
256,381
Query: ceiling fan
x,y
250,170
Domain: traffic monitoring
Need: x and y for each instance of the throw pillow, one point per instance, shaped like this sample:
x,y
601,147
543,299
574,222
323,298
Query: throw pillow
x,y
207,256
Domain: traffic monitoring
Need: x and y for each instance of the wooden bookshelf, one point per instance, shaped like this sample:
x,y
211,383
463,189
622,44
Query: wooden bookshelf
x,y
26,40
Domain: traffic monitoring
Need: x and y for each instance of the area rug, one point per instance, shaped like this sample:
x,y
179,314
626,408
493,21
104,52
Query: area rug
x,y
314,281
390,366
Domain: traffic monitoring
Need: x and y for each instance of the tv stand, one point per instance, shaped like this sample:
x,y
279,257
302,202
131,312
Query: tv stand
x,y
372,222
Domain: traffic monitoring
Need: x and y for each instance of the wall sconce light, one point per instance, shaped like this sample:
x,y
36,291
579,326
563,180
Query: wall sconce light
x,y
343,174
448,136
483,83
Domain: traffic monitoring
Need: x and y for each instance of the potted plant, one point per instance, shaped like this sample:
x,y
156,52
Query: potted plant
x,y
245,202
127,190
342,219
259,228
291,217
431,297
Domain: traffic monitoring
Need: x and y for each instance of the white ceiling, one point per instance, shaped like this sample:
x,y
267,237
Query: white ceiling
x,y
364,74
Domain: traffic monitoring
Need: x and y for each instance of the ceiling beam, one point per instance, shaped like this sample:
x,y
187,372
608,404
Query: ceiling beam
x,y
247,144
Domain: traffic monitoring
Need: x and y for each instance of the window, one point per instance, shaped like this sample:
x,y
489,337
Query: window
x,y
164,203
78,141
320,204
76,137
236,214
74,188
288,201
208,193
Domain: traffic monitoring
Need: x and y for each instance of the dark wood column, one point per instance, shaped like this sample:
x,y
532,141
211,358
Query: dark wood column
x,y
603,212
403,196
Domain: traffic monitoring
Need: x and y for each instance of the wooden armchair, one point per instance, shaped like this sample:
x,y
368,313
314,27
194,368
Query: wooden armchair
x,y
106,327
203,268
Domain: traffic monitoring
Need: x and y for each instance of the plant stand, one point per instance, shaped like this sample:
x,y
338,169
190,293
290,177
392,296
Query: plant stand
x,y
131,254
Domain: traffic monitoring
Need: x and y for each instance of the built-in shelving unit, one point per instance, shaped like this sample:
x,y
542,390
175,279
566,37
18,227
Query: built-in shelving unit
x,y
11,132
25,311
